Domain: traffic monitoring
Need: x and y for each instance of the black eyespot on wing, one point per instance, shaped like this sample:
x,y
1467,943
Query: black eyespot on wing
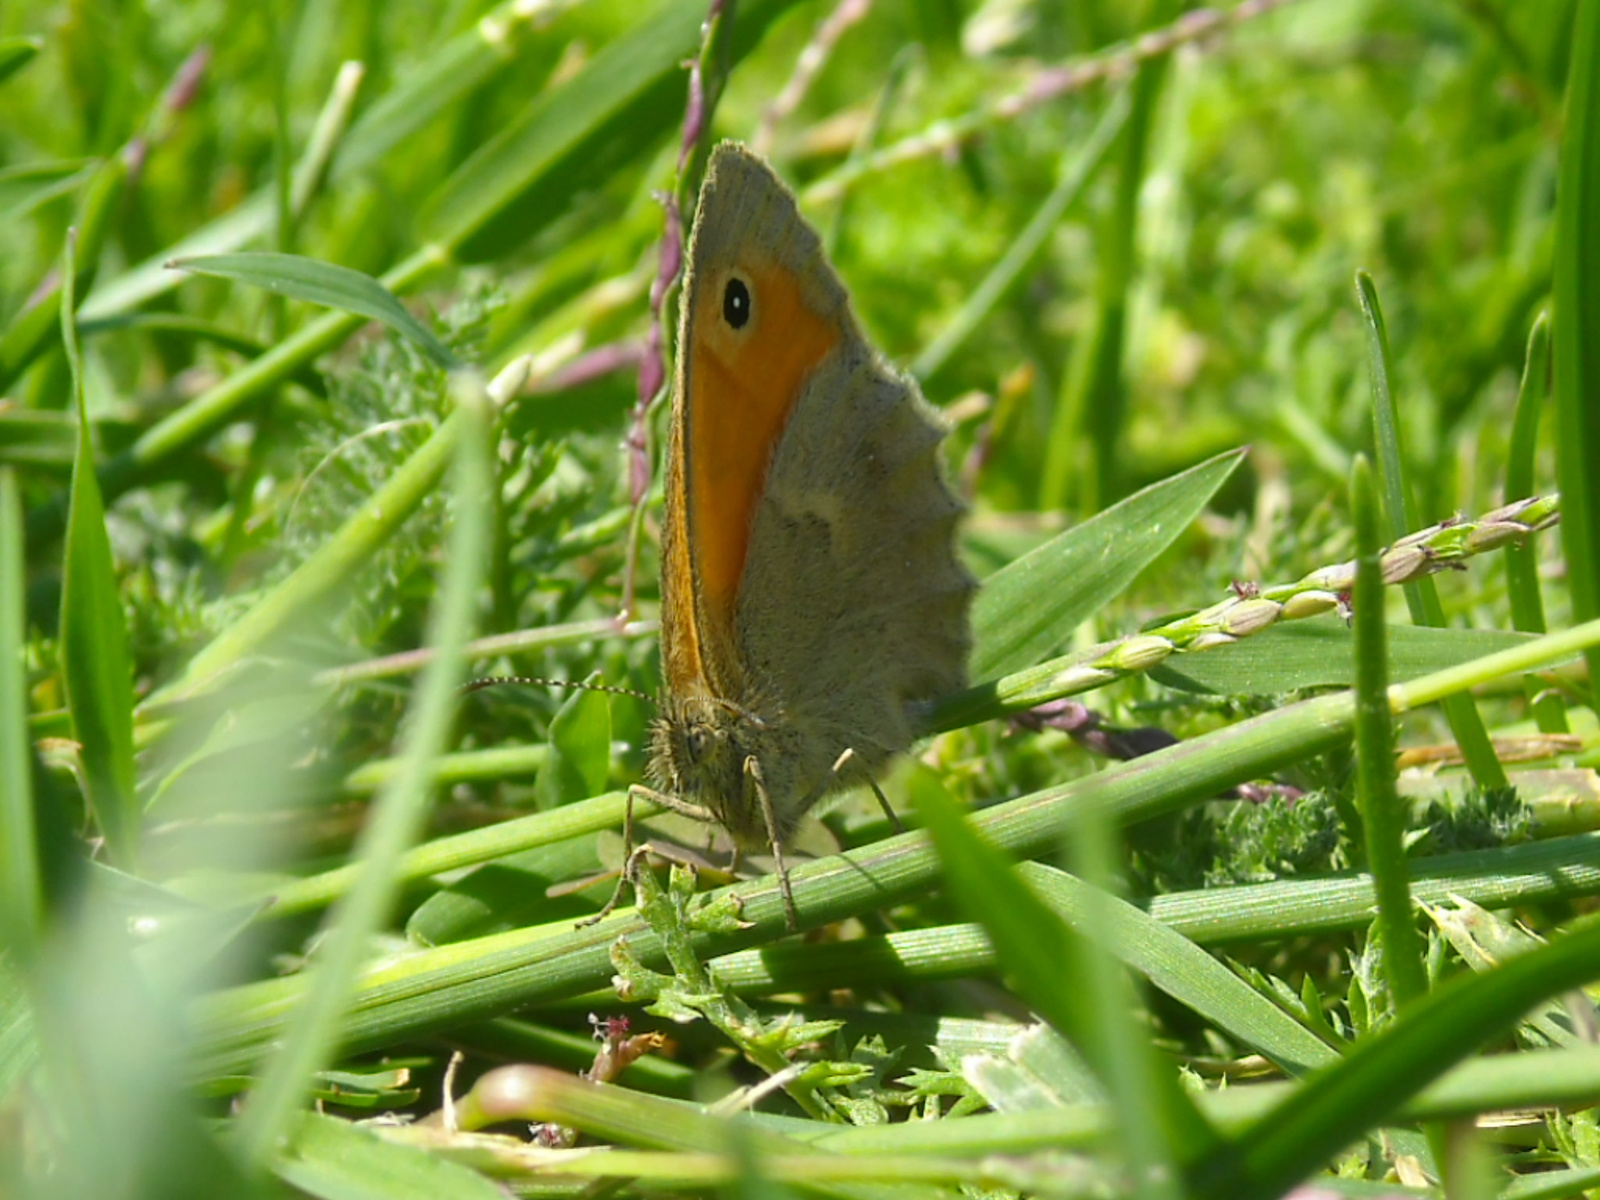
x,y
736,304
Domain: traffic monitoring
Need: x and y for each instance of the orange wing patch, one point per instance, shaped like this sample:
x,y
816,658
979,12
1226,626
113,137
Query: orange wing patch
x,y
743,385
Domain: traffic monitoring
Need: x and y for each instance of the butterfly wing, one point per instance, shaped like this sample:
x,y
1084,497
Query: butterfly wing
x,y
751,334
830,594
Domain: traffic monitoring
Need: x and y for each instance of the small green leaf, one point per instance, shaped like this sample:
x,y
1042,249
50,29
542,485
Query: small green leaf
x,y
1027,610
580,750
322,283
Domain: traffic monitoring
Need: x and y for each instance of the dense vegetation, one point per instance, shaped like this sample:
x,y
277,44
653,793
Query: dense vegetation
x,y
1216,303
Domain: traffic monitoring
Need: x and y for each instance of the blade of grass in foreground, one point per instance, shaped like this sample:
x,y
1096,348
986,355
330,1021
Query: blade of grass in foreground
x,y
1386,1069
1382,816
1046,959
399,811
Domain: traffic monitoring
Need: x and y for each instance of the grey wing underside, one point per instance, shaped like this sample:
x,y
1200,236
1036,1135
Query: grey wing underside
x,y
860,611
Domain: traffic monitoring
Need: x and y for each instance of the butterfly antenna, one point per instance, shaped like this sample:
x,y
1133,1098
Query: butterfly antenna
x,y
488,681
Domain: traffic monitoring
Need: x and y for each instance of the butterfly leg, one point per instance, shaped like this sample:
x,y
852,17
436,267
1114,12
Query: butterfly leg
x,y
752,770
851,759
662,800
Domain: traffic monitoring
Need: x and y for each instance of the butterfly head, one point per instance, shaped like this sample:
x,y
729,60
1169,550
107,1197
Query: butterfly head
x,y
699,747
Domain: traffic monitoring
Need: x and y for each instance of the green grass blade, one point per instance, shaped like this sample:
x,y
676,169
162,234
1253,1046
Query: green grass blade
x,y
1382,816
1575,337
1522,560
1320,652
622,100
399,811
1031,606
16,53
94,635
1088,426
1046,960
1422,596
1385,1070
1179,968
324,283
22,901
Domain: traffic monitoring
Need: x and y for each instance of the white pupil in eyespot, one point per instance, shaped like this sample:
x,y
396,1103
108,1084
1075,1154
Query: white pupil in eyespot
x,y
736,304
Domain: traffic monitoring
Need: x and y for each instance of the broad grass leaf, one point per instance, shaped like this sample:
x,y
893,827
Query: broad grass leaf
x,y
1027,610
322,283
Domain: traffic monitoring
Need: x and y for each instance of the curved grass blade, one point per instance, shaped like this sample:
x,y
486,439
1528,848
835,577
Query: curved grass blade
x,y
1028,608
1045,959
1385,1070
324,283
